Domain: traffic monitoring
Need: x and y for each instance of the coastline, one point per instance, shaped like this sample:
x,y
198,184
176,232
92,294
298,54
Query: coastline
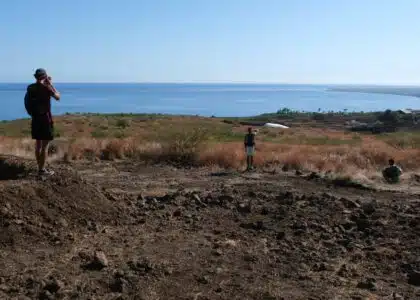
x,y
385,90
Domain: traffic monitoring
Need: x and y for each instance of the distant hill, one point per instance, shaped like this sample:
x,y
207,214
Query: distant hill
x,y
413,91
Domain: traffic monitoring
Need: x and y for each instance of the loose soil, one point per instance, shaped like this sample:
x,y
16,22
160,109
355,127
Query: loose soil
x,y
122,230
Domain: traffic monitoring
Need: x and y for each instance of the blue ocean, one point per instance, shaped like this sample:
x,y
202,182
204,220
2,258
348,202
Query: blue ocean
x,y
221,100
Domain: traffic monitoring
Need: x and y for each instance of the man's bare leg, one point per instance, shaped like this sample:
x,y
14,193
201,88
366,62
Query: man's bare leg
x,y
43,154
38,147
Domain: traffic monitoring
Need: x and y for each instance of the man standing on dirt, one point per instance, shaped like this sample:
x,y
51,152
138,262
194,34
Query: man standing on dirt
x,y
38,105
249,144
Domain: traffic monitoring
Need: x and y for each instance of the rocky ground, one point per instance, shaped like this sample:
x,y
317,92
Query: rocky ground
x,y
128,231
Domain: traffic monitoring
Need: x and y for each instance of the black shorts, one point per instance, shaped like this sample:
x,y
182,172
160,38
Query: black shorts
x,y
42,127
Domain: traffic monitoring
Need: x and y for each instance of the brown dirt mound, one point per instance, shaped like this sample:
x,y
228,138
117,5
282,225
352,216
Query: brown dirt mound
x,y
34,211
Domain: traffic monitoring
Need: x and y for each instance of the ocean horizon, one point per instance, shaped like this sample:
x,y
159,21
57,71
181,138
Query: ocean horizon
x,y
204,99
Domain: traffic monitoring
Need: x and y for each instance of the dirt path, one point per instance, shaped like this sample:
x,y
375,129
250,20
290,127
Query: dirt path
x,y
172,233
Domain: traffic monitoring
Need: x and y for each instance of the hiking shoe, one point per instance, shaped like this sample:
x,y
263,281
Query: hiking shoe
x,y
45,172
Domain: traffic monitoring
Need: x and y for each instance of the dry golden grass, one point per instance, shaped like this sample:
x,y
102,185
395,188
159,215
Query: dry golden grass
x,y
370,154
209,142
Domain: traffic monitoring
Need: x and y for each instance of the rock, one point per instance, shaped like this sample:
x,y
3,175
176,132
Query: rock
x,y
298,173
363,224
230,243
320,267
18,222
265,211
414,278
204,279
396,296
177,213
250,258
141,265
368,208
244,208
101,259
63,222
252,194
217,252
46,295
99,262
54,286
198,201
4,288
349,203
225,198
280,235
368,284
300,225
92,226
118,285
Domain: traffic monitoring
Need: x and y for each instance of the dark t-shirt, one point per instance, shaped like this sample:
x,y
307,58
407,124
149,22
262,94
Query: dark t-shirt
x,y
42,97
249,140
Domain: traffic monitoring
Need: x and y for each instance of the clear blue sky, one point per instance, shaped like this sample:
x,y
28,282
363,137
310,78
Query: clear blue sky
x,y
286,41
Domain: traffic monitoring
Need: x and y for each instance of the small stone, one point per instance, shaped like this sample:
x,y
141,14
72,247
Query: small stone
x,y
265,211
349,203
217,252
250,258
99,261
244,208
414,278
4,288
46,295
63,222
118,285
396,296
204,280
368,208
280,235
198,201
54,286
230,243
368,284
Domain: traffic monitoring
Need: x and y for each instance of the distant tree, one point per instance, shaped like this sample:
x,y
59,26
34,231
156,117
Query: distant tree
x,y
389,117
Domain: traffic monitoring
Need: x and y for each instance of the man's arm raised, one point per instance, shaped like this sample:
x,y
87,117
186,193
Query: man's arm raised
x,y
54,93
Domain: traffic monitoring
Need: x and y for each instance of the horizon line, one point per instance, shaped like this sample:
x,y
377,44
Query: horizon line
x,y
221,82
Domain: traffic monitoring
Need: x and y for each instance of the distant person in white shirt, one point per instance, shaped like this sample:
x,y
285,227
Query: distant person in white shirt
x,y
392,173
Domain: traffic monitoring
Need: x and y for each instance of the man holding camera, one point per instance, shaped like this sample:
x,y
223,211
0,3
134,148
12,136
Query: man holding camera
x,y
38,105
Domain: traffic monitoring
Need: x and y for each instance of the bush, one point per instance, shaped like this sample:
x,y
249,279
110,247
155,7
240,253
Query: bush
x,y
122,123
318,117
389,117
184,147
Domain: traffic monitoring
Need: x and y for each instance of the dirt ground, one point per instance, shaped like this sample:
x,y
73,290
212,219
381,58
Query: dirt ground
x,y
123,230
